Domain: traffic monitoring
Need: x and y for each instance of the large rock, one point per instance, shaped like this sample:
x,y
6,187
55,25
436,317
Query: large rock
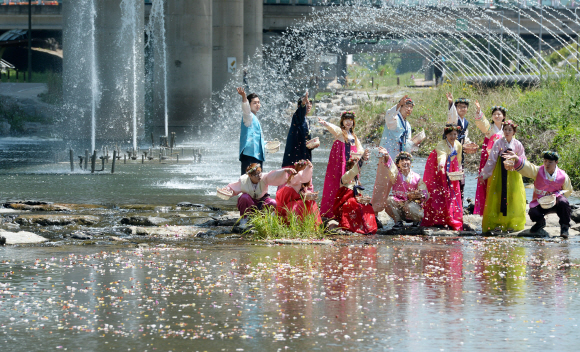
x,y
575,215
143,221
36,206
21,237
60,220
346,100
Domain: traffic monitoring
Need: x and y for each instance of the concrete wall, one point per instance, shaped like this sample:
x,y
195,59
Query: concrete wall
x,y
189,66
228,39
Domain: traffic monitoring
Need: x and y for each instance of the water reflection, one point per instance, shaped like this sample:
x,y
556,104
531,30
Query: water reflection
x,y
401,293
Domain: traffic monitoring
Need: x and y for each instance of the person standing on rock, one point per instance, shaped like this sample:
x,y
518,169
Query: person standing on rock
x,y
346,143
396,138
251,137
456,114
548,180
298,135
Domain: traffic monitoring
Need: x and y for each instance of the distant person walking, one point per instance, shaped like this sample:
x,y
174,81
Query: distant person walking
x,y
438,67
251,137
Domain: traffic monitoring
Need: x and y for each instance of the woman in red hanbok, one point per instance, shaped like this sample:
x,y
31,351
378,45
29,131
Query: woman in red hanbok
x,y
444,206
345,143
290,198
350,214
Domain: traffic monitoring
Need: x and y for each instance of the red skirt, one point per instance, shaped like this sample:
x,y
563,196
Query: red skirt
x,y
353,216
444,206
287,199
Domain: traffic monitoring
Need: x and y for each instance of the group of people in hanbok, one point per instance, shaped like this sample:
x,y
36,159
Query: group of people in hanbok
x,y
434,200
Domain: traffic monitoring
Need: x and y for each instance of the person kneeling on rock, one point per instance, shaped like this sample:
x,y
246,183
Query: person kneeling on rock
x,y
254,188
548,180
408,192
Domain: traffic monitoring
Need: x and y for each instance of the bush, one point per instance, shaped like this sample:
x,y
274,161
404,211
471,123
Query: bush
x,y
267,224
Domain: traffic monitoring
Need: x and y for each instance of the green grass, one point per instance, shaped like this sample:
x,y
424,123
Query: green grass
x,y
267,224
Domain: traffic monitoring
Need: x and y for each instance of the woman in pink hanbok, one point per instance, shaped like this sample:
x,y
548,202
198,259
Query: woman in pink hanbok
x,y
253,187
492,133
444,206
345,143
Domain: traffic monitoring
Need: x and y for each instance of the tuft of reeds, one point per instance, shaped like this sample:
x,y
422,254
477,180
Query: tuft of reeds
x,y
267,224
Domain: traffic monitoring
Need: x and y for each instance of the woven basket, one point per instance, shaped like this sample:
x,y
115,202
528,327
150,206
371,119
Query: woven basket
x,y
311,196
364,200
418,138
313,143
273,146
455,175
470,148
547,202
223,193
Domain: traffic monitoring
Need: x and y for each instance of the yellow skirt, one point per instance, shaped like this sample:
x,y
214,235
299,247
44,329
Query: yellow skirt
x,y
515,218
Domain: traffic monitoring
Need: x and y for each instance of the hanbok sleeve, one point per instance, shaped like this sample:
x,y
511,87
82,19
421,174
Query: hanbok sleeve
x,y
236,187
359,147
247,114
393,170
519,149
441,149
349,175
526,168
335,131
492,160
566,188
483,124
452,115
276,177
459,148
302,176
391,118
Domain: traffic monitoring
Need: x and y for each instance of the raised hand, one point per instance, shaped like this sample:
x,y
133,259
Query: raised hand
x,y
449,97
322,122
305,99
290,171
309,163
242,92
402,101
510,154
478,110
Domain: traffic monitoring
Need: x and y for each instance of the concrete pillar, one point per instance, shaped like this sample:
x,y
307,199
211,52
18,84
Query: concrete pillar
x,y
77,42
116,64
189,62
228,40
253,26
98,70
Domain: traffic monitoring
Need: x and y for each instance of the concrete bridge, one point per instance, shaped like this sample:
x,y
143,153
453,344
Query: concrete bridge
x,y
204,35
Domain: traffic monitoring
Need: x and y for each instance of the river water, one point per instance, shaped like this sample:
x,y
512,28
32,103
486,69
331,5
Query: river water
x,y
362,293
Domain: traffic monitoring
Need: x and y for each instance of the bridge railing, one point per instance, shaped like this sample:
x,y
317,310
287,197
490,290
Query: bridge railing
x,y
482,3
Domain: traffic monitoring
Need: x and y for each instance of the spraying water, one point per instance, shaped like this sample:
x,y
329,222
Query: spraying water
x,y
157,36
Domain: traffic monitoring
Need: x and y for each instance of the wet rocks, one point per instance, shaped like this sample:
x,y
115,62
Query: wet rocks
x,y
575,215
36,206
165,231
2,240
58,220
193,205
81,236
143,221
21,237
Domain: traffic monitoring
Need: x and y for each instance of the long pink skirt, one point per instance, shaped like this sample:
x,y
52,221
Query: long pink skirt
x,y
481,191
444,206
334,171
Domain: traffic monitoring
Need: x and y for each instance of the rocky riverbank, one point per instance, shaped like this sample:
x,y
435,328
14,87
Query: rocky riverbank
x,y
34,223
